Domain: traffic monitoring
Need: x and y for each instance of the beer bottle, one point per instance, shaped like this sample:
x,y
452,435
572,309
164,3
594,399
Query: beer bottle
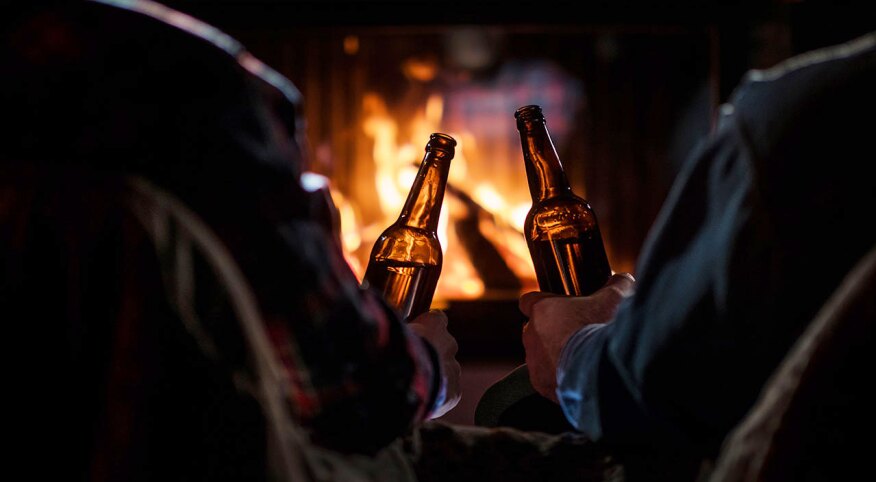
x,y
406,259
561,229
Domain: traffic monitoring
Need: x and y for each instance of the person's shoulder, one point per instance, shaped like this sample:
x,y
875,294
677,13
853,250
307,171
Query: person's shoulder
x,y
811,71
808,107
820,93
859,49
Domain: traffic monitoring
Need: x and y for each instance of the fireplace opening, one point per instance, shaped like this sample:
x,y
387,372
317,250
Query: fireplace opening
x,y
611,96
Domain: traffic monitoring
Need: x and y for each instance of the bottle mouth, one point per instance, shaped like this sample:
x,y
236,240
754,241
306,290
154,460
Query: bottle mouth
x,y
529,113
439,140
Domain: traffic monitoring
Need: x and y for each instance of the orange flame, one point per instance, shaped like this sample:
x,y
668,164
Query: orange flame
x,y
395,163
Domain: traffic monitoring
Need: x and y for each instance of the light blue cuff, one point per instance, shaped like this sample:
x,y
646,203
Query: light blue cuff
x,y
440,398
568,363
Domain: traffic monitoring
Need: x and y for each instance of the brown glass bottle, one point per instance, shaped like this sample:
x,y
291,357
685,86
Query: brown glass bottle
x,y
561,228
406,259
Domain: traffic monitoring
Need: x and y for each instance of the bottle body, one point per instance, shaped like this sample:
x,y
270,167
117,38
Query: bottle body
x,y
404,266
566,246
406,259
561,228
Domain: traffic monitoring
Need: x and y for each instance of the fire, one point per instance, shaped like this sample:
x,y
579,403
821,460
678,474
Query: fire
x,y
396,157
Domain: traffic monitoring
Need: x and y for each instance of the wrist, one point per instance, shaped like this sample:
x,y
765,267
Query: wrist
x,y
438,391
573,344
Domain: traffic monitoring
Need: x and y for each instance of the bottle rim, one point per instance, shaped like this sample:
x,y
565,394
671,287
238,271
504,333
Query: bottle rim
x,y
440,140
529,112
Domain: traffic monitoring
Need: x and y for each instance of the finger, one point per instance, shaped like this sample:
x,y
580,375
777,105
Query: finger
x,y
452,346
527,300
431,318
419,329
439,316
525,332
623,283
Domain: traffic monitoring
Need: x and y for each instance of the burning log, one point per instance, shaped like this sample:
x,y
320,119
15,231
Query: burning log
x,y
483,254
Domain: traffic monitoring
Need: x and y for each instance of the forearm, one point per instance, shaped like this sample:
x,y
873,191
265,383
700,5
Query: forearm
x,y
358,377
363,369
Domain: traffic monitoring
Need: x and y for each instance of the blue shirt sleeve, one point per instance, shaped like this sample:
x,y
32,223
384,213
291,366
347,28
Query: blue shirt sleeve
x,y
570,377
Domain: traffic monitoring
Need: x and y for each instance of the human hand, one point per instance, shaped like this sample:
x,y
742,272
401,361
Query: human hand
x,y
554,318
432,326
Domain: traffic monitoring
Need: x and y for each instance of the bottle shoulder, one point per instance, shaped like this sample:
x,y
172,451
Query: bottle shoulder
x,y
567,204
407,244
399,230
560,217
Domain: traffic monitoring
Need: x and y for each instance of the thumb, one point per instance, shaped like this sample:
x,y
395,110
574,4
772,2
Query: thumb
x,y
622,283
527,300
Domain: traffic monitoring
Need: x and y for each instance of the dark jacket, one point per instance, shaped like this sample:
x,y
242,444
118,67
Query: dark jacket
x,y
761,225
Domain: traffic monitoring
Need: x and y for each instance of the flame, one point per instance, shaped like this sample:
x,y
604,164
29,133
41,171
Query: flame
x,y
351,238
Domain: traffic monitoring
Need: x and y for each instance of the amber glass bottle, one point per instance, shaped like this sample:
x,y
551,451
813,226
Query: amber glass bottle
x,y
406,259
561,229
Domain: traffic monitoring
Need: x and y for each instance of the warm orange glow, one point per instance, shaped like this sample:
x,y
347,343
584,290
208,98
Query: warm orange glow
x,y
396,154
420,69
351,45
351,238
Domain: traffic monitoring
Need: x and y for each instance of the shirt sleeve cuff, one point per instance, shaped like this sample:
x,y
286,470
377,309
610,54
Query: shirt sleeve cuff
x,y
579,342
438,393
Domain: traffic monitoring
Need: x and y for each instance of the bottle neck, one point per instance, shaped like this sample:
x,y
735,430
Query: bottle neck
x,y
544,171
423,205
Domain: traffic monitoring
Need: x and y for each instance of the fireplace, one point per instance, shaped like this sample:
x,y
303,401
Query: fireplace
x,y
626,94
612,98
